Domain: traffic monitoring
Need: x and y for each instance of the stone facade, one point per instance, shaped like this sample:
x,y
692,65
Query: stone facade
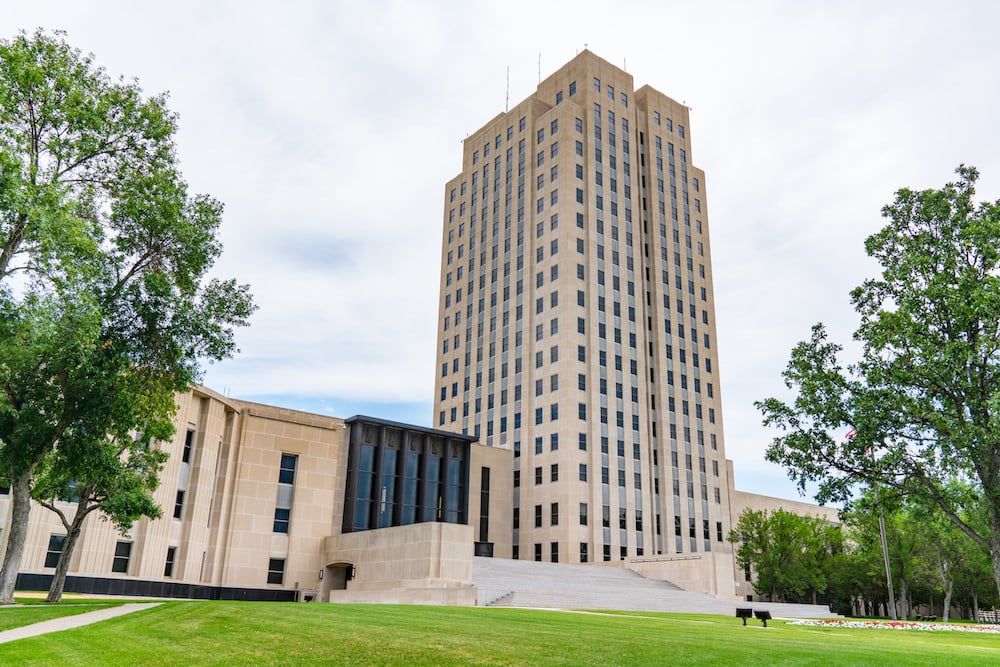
x,y
253,499
577,325
235,466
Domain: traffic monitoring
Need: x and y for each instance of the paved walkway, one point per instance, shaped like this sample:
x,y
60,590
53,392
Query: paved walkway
x,y
70,622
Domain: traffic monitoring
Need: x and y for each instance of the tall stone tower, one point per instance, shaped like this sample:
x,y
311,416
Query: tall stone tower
x,y
576,322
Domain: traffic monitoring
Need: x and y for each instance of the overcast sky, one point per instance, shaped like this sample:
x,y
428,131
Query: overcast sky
x,y
330,128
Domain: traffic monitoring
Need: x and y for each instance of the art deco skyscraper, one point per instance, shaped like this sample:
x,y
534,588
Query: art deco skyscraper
x,y
577,325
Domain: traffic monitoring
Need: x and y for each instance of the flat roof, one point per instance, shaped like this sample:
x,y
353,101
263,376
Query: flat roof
x,y
411,427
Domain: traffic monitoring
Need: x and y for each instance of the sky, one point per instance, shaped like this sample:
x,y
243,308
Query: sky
x,y
329,128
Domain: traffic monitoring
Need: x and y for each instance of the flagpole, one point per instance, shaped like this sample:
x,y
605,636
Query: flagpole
x,y
881,531
885,554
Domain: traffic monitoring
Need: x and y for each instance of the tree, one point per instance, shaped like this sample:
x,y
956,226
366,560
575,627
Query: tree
x,y
923,400
103,267
114,476
790,555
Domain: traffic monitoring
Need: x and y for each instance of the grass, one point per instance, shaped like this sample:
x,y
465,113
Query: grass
x,y
36,610
241,633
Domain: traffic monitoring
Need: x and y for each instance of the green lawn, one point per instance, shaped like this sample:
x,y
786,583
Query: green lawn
x,y
37,610
241,633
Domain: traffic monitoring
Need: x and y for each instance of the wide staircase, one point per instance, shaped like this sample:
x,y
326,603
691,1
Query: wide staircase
x,y
518,583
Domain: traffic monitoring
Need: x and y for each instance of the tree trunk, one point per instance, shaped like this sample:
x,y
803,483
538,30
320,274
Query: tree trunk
x,y
947,601
20,497
995,553
62,568
901,608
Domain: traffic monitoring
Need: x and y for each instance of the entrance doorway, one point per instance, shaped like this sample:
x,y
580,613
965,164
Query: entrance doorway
x,y
336,576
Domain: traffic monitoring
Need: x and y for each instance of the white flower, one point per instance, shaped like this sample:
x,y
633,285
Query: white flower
x,y
899,625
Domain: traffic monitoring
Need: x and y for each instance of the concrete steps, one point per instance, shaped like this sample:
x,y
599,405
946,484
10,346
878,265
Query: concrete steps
x,y
517,583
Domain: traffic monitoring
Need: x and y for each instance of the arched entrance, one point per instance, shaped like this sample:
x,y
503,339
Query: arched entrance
x,y
335,577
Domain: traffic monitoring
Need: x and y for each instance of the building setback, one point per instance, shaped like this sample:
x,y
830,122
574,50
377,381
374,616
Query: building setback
x,y
577,322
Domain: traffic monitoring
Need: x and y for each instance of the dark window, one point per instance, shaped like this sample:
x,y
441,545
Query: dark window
x,y
365,484
188,442
168,567
123,553
410,483
281,517
55,550
179,504
287,473
276,571
484,505
387,488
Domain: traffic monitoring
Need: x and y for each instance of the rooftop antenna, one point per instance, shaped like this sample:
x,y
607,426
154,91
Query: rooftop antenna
x,y
625,64
506,102
539,67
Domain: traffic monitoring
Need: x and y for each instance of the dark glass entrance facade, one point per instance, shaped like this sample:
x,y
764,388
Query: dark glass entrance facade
x,y
398,474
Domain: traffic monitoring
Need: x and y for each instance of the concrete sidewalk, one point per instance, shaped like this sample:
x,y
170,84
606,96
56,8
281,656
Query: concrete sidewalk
x,y
70,622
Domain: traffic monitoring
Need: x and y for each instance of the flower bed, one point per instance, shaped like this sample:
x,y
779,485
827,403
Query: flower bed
x,y
899,625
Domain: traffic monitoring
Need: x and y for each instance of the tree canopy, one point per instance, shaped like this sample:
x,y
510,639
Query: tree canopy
x,y
793,558
106,308
922,402
796,558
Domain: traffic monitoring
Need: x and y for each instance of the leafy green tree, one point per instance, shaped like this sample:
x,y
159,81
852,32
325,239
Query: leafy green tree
x,y
924,398
113,475
943,545
930,558
103,267
974,585
790,556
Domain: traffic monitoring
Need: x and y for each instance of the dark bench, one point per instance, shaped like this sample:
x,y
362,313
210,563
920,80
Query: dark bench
x,y
762,615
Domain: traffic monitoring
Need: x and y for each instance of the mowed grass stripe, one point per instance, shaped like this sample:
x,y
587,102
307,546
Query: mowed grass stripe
x,y
241,633
33,611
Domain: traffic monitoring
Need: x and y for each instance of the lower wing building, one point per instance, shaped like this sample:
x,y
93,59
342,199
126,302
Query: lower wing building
x,y
266,503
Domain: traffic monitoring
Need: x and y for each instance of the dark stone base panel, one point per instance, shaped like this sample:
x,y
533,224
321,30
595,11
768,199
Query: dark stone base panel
x,y
157,589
